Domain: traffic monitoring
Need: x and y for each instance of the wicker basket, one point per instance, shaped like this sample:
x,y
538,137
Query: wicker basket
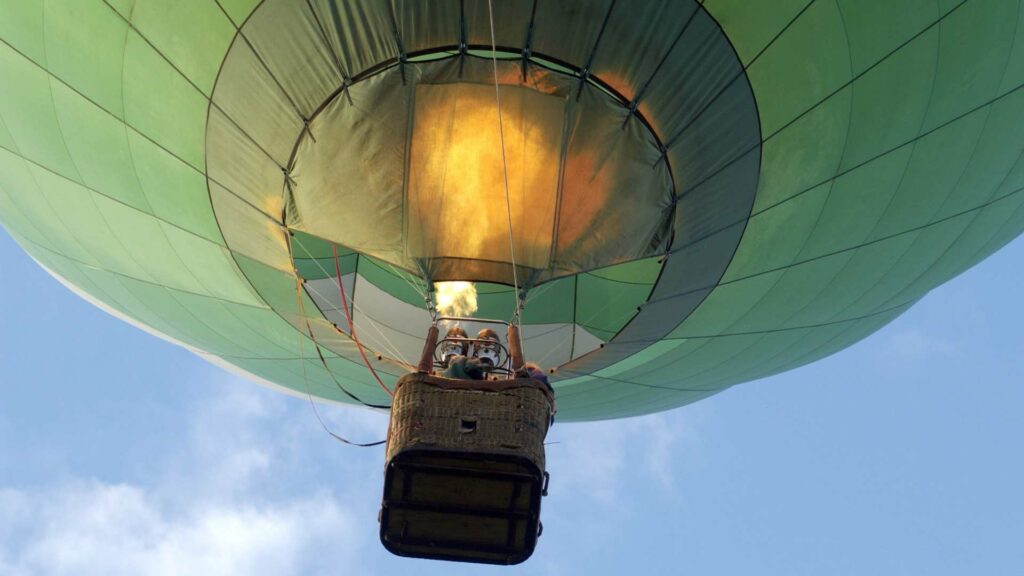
x,y
465,468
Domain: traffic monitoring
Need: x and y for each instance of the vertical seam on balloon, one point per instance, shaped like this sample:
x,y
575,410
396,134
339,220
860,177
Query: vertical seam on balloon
x,y
133,129
263,64
87,190
899,185
820,102
966,166
209,98
671,141
828,194
861,164
635,102
854,247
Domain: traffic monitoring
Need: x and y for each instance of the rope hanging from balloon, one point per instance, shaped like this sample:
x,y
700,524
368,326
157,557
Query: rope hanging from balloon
x,y
305,378
504,168
351,325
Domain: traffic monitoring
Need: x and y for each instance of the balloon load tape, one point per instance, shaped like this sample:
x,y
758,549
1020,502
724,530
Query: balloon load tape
x,y
465,468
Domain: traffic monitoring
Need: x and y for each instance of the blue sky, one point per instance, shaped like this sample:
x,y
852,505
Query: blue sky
x,y
123,454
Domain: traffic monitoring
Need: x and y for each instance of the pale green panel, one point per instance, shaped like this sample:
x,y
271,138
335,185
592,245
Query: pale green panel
x,y
820,343
984,235
252,232
85,49
120,296
213,265
692,370
929,245
17,181
175,191
805,154
16,220
774,238
98,145
618,400
146,244
170,316
239,10
890,101
26,107
992,162
604,306
238,164
862,269
802,68
644,271
161,104
1014,75
935,168
356,378
975,46
724,306
856,203
254,102
650,367
495,304
79,212
79,275
553,302
123,7
390,279
6,140
276,288
876,28
748,357
1008,230
304,377
795,289
193,34
226,319
269,324
750,26
22,27
726,373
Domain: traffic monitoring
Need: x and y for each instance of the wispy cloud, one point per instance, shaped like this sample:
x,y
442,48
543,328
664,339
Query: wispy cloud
x,y
113,529
915,343
207,513
596,459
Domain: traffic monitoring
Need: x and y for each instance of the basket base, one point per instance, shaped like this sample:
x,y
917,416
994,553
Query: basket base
x,y
465,469
461,506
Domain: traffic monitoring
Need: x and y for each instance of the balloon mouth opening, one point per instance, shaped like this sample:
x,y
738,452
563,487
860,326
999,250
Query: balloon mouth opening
x,y
426,166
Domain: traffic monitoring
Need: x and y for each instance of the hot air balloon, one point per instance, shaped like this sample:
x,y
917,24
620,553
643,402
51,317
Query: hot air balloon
x,y
670,197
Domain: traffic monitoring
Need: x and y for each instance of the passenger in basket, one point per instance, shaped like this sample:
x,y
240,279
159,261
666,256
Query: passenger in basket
x,y
532,370
457,362
487,348
455,343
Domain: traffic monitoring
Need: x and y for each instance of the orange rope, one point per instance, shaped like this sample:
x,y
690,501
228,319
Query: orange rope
x,y
351,327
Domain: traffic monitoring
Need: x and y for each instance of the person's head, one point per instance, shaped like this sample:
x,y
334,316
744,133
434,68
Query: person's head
x,y
454,344
487,347
535,372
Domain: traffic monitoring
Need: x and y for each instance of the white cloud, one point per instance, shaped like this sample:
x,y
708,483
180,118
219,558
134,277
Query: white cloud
x,y
207,513
253,486
114,529
913,343
595,459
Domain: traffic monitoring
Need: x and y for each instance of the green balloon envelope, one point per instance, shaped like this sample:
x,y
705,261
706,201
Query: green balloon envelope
x,y
698,194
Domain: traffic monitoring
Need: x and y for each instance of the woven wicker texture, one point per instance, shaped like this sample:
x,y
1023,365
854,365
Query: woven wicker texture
x,y
435,412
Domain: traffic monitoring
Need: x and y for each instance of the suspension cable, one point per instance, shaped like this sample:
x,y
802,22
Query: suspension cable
x,y
393,350
504,166
351,326
305,378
